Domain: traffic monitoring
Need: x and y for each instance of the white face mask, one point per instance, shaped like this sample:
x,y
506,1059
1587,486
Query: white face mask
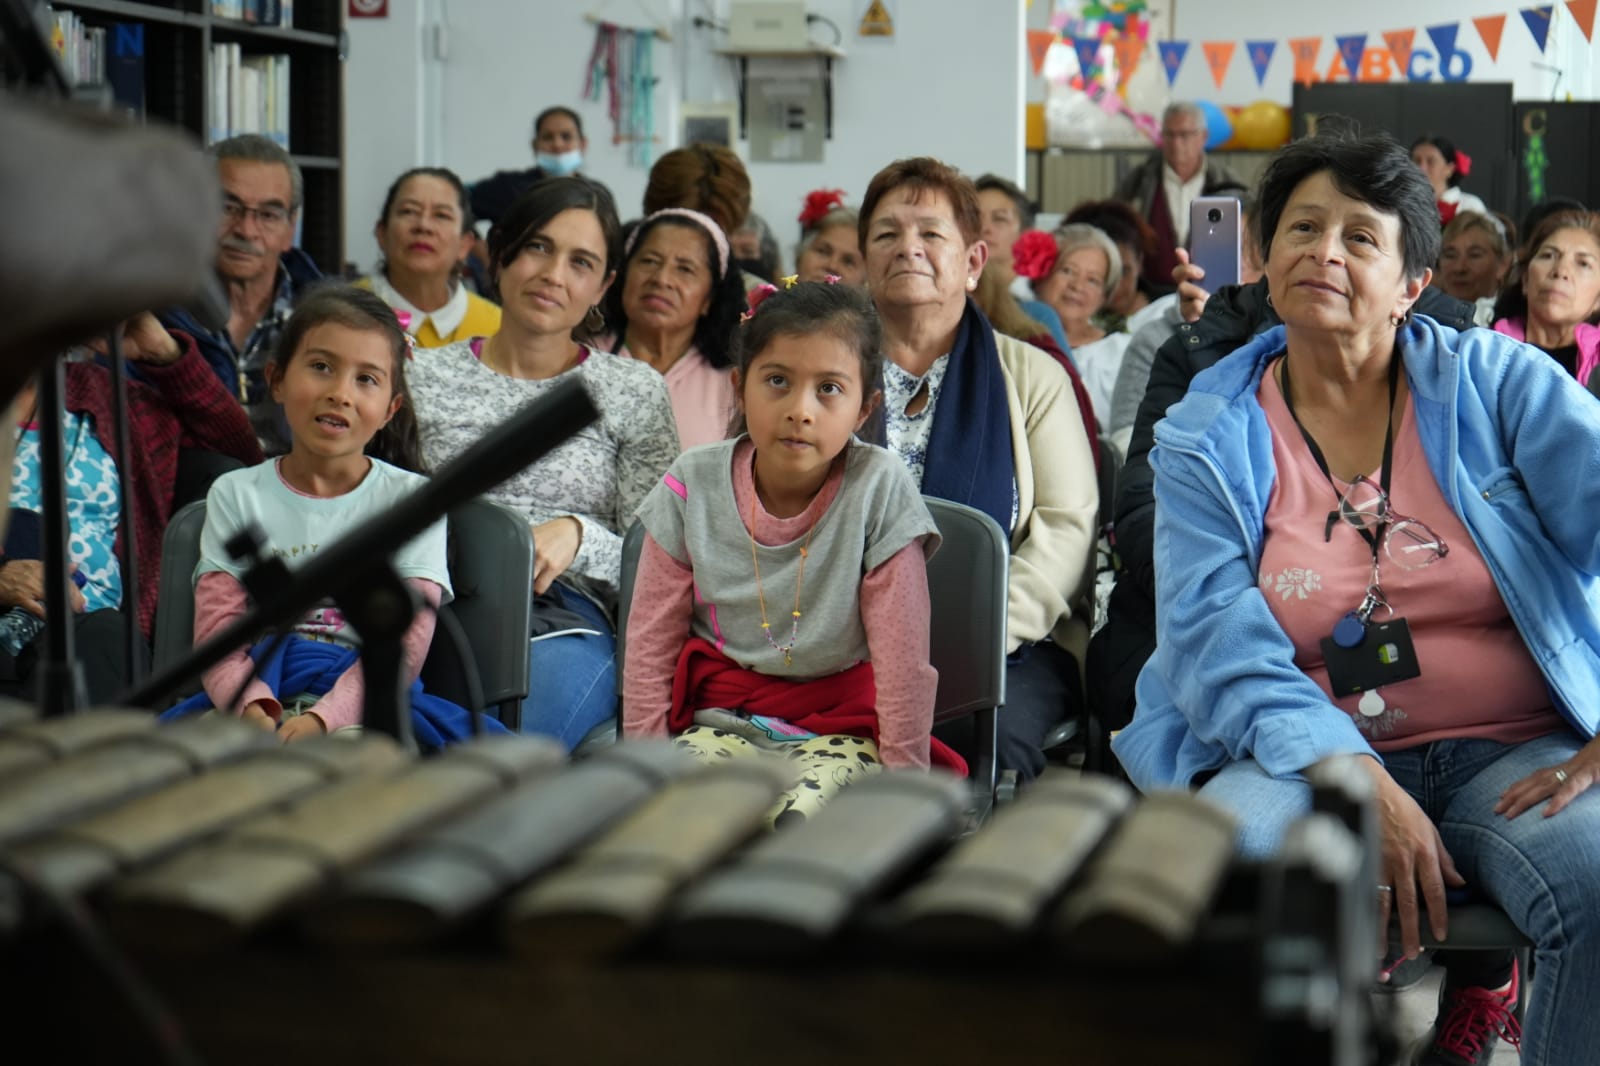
x,y
559,165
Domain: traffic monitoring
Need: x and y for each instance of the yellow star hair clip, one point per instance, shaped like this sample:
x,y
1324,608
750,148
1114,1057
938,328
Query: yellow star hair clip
x,y
791,281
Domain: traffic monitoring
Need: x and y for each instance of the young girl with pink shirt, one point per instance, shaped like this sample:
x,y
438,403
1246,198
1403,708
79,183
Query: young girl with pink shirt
x,y
340,376
782,589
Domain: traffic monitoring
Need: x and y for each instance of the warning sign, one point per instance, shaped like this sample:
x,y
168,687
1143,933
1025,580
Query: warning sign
x,y
877,20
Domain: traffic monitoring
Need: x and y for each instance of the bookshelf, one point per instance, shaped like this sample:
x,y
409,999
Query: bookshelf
x,y
179,58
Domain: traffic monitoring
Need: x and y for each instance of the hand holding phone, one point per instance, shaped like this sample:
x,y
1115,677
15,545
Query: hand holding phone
x,y
1214,239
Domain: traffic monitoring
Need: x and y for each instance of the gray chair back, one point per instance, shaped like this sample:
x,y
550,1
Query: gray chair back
x,y
491,571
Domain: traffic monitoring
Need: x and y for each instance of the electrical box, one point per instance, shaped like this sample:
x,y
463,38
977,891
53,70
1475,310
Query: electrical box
x,y
767,26
786,119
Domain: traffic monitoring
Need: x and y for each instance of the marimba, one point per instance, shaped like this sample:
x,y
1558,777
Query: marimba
x,y
199,890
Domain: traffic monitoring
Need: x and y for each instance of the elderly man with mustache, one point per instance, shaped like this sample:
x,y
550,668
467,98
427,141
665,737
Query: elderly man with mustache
x,y
261,271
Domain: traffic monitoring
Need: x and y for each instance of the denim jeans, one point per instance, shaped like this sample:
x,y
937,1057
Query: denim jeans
x,y
1544,872
572,680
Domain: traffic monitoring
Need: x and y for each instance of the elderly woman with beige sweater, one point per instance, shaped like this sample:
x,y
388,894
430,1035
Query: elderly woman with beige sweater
x,y
991,422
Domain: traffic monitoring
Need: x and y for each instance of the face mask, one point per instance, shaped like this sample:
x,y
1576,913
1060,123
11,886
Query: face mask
x,y
559,166
752,266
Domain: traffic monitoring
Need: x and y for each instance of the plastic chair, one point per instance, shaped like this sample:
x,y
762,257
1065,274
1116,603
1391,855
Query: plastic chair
x,y
967,589
491,569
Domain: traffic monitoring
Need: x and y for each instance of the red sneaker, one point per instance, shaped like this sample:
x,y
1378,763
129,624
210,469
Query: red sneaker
x,y
1471,1022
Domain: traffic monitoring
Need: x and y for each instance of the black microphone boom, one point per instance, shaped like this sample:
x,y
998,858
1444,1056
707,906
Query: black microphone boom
x,y
520,440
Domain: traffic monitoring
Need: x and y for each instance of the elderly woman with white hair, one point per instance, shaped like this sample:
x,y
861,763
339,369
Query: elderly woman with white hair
x,y
1083,276
829,240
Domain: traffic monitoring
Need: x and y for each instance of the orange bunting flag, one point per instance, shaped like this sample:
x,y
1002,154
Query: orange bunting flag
x,y
1583,15
1039,42
1129,51
1490,27
1304,50
1399,44
1218,55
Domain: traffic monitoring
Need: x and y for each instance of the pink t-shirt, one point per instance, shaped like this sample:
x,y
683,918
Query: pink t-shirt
x,y
1478,679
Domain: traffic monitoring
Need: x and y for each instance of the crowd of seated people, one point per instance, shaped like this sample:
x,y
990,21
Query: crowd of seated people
x,y
1389,338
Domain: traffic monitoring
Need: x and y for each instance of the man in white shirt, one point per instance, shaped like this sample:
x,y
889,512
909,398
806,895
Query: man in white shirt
x,y
1162,188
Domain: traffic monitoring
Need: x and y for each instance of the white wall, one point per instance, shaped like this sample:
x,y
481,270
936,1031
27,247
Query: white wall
x,y
1519,59
950,84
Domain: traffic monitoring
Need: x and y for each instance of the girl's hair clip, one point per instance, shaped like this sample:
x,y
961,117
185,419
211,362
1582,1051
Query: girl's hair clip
x,y
756,297
832,279
791,281
404,318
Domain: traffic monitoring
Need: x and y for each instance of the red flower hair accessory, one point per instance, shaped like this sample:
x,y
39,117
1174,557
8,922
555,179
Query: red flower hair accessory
x,y
755,298
1033,256
818,203
1463,163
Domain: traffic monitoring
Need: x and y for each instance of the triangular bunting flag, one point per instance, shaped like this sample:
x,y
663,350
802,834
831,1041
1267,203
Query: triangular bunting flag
x,y
1399,45
1218,55
1538,20
1172,53
1489,28
1304,50
1351,49
1087,48
1039,42
1583,15
1260,56
1444,39
1130,49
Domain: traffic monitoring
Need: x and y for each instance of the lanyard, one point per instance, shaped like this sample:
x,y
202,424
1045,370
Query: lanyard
x,y
1322,462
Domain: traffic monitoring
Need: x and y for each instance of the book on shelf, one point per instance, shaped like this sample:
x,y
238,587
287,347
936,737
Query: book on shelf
x,y
125,66
275,13
248,94
79,48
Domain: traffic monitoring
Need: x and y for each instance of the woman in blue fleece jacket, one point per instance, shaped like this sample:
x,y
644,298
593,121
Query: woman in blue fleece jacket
x,y
1237,704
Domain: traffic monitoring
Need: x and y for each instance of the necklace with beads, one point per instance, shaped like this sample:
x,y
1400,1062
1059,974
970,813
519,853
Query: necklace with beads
x,y
800,580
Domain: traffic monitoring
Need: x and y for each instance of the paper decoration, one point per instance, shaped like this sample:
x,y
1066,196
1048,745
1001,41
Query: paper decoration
x,y
1260,56
1304,50
1350,50
1218,55
1399,44
1583,14
1490,27
1443,37
1088,49
1130,50
1039,42
1538,22
1172,53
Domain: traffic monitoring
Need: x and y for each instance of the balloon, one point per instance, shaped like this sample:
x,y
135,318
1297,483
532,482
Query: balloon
x,y
1233,143
1218,128
1263,125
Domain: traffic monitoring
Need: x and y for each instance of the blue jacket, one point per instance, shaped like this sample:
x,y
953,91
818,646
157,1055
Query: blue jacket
x,y
1512,441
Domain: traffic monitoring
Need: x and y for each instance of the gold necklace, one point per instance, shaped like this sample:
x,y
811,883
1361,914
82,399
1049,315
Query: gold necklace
x,y
800,580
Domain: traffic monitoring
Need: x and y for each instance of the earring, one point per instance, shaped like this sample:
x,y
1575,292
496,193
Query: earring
x,y
1397,320
1269,299
595,320
972,284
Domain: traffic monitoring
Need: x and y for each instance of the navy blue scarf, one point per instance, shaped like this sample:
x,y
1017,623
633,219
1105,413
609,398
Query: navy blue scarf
x,y
969,451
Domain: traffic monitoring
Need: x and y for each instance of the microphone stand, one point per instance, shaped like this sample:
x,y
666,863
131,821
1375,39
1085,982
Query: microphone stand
x,y
356,570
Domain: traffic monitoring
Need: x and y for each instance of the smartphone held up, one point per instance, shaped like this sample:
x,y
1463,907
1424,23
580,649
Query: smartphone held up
x,y
1215,240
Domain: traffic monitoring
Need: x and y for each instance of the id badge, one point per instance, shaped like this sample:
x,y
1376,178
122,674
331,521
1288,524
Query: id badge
x,y
1385,657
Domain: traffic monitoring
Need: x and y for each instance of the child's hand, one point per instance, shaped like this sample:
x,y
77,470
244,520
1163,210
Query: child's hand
x,y
555,545
301,727
256,714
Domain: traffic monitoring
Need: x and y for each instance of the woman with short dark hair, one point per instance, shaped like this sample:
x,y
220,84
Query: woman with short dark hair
x,y
1368,544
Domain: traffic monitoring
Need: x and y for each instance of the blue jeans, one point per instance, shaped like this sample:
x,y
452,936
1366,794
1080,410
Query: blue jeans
x,y
1543,872
572,680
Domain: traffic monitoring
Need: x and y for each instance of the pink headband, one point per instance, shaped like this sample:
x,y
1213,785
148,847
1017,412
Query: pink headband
x,y
718,238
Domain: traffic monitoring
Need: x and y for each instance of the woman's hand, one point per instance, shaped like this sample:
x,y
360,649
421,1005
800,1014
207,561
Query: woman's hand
x,y
1191,297
1413,856
144,340
302,727
22,585
555,545
256,714
1559,784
